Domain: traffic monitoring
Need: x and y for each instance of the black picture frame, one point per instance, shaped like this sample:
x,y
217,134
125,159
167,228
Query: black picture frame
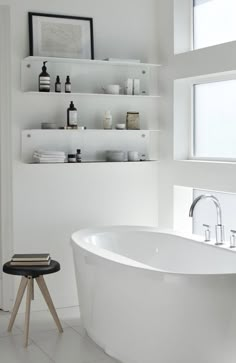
x,y
85,22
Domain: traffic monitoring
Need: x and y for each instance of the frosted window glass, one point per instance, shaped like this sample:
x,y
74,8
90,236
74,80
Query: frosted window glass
x,y
214,22
215,120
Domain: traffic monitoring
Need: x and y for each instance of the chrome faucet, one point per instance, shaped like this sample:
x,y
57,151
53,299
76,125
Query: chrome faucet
x,y
219,227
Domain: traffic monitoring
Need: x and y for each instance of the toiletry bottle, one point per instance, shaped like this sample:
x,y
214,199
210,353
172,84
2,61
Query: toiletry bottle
x,y
44,79
107,121
58,84
68,85
78,156
72,116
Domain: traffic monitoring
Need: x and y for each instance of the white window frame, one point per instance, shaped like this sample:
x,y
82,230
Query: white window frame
x,y
183,26
184,116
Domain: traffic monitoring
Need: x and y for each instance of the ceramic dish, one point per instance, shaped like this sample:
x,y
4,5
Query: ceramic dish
x,y
115,155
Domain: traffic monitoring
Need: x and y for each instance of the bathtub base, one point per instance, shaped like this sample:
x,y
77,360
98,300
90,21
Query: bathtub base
x,y
141,315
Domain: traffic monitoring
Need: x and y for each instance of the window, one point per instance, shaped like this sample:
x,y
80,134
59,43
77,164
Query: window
x,y
214,120
214,22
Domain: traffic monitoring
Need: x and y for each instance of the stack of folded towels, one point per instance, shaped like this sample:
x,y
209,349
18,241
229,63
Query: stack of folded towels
x,y
47,156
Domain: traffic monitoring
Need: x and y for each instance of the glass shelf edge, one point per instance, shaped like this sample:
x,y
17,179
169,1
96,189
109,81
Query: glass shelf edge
x,y
96,162
90,130
91,61
89,94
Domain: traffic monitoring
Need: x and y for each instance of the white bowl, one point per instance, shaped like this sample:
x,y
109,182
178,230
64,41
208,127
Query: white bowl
x,y
48,125
115,155
120,126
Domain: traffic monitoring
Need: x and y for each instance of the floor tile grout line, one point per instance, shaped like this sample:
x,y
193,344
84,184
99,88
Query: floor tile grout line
x,y
87,337
11,335
82,336
45,353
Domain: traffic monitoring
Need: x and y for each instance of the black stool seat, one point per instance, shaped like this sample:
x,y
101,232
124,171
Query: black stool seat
x,y
32,271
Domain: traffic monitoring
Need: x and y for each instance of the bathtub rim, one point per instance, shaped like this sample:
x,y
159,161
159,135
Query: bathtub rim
x,y
77,240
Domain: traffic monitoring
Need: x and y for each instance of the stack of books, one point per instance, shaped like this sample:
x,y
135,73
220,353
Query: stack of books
x,y
32,259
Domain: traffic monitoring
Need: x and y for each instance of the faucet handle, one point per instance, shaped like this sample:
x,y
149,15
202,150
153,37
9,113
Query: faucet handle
x,y
207,232
233,238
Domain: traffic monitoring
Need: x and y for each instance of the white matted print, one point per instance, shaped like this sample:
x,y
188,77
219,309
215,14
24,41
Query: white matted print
x,y
61,36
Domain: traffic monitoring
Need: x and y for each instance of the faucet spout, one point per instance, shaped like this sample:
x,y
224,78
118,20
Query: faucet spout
x,y
219,226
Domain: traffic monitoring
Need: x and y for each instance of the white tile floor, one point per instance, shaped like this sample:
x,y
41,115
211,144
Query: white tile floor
x,y
46,344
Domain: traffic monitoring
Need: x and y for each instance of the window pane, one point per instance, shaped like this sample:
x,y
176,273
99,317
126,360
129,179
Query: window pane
x,y
215,120
214,22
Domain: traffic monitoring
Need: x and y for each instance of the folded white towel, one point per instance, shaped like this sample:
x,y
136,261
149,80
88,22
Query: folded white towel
x,y
49,160
49,156
49,153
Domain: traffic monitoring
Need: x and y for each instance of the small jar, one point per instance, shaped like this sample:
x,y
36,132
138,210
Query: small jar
x,y
78,156
71,158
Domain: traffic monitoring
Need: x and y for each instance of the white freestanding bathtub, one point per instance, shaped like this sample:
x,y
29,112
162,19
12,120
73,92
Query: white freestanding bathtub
x,y
152,297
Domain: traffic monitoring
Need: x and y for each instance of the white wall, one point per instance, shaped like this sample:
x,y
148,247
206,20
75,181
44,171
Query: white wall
x,y
203,175
5,152
50,202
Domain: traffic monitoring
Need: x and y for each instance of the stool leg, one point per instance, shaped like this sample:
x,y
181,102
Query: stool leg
x,y
27,312
19,297
32,295
47,297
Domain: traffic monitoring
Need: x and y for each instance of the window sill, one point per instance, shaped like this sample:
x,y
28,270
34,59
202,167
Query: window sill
x,y
208,161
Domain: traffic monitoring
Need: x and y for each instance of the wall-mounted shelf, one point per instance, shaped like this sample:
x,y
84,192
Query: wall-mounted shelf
x,y
98,162
84,94
90,62
90,76
93,143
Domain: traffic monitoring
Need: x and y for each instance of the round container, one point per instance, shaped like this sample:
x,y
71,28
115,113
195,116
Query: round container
x,y
115,155
71,158
48,125
133,156
113,89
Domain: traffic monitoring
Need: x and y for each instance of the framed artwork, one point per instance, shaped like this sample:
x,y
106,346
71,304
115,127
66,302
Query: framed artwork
x,y
61,36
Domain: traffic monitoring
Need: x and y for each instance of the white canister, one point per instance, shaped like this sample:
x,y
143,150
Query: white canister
x,y
129,86
113,89
136,88
133,156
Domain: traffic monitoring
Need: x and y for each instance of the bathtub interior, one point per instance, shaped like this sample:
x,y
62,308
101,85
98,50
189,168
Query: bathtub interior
x,y
163,251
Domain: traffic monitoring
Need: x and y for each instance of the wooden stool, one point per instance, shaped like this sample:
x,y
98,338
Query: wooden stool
x,y
29,273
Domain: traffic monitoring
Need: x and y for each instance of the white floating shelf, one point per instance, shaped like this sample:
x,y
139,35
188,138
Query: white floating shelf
x,y
90,77
96,162
89,61
93,143
90,94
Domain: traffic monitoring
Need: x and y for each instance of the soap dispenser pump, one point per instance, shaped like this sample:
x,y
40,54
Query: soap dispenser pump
x,y
44,79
